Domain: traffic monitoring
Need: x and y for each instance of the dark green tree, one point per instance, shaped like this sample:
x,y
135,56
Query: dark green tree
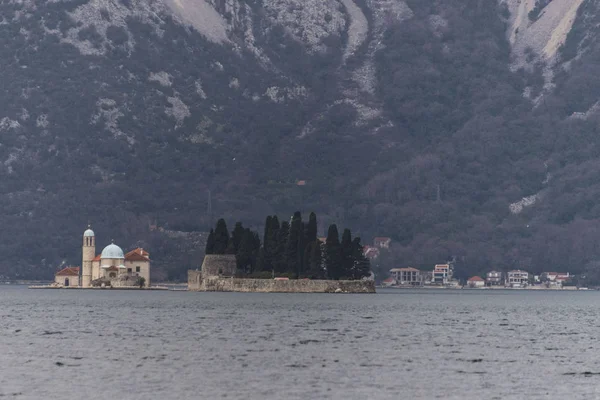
x,y
333,253
221,237
267,231
311,228
236,235
230,248
260,261
210,243
246,254
347,254
279,256
361,266
270,244
300,270
291,251
315,262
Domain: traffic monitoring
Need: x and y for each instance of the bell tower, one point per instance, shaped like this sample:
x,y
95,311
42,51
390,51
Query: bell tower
x,y
88,254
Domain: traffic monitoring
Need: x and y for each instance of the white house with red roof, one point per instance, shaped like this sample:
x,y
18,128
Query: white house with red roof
x,y
67,277
382,242
555,278
389,282
476,282
371,252
112,265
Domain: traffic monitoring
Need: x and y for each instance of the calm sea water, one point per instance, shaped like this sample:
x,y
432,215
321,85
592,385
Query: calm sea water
x,y
398,344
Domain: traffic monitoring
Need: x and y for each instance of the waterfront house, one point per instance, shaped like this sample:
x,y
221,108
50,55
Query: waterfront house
x,y
371,252
517,278
476,282
442,274
67,277
493,278
561,278
555,278
389,282
407,276
382,242
549,276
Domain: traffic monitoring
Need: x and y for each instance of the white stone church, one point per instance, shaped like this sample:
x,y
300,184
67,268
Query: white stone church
x,y
111,266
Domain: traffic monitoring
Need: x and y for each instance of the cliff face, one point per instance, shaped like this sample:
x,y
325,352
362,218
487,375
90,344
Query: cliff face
x,y
419,120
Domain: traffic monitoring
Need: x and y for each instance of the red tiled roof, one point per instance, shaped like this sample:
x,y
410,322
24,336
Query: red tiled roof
x,y
476,279
389,280
69,271
371,252
138,254
97,258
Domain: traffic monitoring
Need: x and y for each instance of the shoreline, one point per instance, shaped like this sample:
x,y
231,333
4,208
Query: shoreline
x,y
98,288
564,289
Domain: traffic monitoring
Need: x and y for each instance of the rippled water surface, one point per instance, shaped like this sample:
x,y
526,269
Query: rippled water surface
x,y
398,344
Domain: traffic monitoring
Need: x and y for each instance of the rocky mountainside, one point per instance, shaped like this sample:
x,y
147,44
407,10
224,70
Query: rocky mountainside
x,y
460,128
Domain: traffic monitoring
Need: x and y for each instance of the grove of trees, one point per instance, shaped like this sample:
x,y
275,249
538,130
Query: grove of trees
x,y
291,249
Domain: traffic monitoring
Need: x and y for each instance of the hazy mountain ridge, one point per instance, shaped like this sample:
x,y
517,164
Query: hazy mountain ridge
x,y
428,121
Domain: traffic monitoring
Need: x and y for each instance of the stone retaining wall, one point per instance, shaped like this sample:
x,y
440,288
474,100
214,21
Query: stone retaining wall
x,y
217,284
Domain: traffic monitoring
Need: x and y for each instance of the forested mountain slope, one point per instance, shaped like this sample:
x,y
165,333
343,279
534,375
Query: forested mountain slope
x,y
460,128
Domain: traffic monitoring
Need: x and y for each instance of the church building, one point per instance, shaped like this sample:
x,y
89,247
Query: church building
x,y
113,267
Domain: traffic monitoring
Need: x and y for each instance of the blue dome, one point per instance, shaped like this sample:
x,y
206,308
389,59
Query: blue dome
x,y
112,251
88,233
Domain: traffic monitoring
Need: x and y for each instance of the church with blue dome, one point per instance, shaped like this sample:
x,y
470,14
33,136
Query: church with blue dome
x,y
112,267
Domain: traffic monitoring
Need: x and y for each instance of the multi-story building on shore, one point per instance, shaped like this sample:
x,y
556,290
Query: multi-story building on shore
x,y
517,278
407,276
494,278
442,274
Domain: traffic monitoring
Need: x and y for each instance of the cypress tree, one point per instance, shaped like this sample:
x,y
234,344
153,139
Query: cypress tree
x,y
279,256
210,243
245,254
333,253
291,250
237,235
230,248
311,228
221,237
306,260
271,245
315,265
267,233
300,250
361,264
256,251
347,253
260,261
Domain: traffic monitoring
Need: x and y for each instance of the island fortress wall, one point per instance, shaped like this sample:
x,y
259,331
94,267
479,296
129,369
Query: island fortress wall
x,y
217,284
209,280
